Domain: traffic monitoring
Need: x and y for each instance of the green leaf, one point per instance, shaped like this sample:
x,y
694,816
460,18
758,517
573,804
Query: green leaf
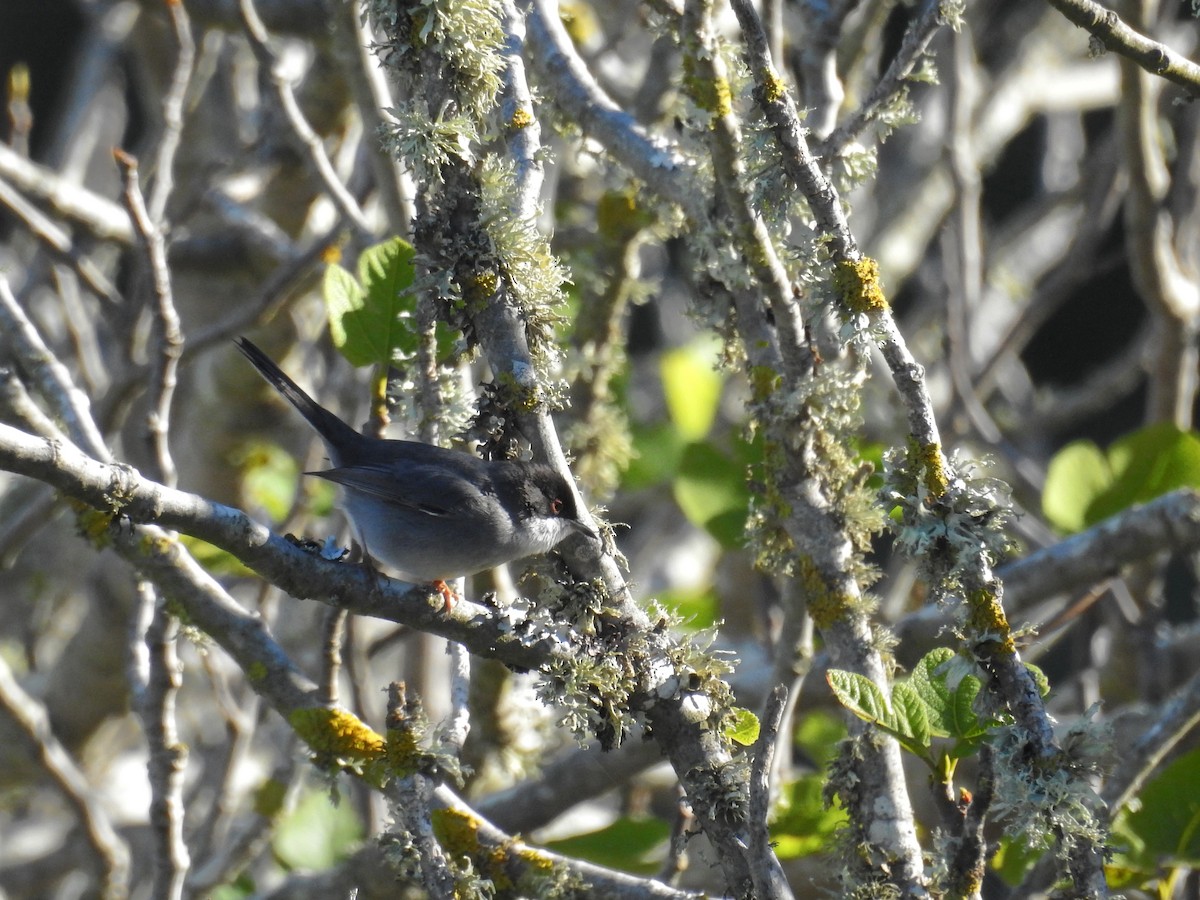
x,y
931,687
862,697
819,734
1077,475
1148,464
711,490
742,727
692,387
658,448
805,825
317,833
1085,485
912,719
1015,858
370,320
626,844
1166,826
269,477
951,709
697,608
242,886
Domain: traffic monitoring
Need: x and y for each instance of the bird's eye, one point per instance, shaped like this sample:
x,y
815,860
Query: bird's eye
x,y
556,506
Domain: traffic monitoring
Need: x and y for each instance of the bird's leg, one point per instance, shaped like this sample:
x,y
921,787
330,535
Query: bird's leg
x,y
449,598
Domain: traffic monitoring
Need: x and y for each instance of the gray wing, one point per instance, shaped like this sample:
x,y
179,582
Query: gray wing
x,y
434,490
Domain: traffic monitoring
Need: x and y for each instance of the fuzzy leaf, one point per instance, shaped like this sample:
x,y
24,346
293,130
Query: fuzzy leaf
x,y
912,718
862,697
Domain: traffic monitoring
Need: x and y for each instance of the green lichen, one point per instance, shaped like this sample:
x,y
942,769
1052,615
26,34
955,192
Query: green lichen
x,y
480,289
708,91
827,607
764,381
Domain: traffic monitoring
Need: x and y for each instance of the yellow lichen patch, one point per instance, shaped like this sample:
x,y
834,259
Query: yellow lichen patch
x,y
93,524
456,831
858,286
522,118
933,469
402,754
337,734
825,606
986,620
619,218
773,87
482,287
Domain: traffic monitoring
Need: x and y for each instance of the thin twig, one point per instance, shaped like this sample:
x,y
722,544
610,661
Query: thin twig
x,y
169,343
333,630
105,844
662,166
172,109
282,282
761,767
100,216
50,376
154,700
58,243
912,47
1177,717
309,139
1171,522
352,40
756,245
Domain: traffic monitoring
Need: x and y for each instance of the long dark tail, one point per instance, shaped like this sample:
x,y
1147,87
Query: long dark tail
x,y
331,429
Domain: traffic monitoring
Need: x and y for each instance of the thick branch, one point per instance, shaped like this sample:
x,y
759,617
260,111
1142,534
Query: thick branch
x,y
1106,27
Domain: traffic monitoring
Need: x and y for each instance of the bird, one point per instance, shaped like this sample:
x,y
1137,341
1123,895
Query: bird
x,y
430,513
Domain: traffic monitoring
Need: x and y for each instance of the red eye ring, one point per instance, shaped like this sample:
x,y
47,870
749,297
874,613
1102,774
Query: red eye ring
x,y
556,506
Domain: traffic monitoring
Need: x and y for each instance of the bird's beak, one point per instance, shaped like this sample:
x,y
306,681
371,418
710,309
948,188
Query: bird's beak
x,y
585,529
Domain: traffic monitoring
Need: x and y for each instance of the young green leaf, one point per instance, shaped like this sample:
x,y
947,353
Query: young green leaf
x,y
692,387
912,717
710,488
742,726
370,319
862,697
